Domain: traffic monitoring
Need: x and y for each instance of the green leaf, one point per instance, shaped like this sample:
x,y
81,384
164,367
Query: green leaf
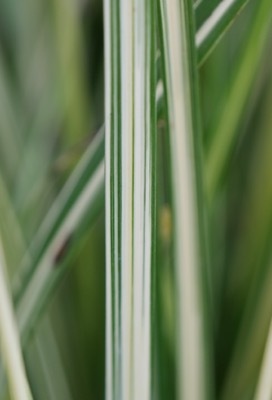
x,y
9,339
130,191
45,366
249,278
216,24
81,197
226,131
264,388
194,377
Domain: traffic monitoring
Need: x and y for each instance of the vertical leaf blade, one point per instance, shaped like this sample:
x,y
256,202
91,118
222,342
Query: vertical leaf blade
x,y
10,345
130,195
193,371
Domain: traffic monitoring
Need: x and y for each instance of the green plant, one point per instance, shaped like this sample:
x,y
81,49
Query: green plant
x,y
175,290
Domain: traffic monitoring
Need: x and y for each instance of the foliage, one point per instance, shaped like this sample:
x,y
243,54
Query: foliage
x,y
169,259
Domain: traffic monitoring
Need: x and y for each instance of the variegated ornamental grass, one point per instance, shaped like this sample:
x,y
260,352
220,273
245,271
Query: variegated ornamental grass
x,y
181,167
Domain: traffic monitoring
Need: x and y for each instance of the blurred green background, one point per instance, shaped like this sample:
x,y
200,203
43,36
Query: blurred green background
x,y
51,106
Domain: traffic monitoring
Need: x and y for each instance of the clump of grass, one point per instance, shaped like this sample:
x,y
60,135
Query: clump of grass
x,y
183,239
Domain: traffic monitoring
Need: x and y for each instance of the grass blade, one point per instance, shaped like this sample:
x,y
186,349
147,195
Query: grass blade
x,y
79,201
66,200
212,29
250,274
193,366
264,388
12,237
225,133
81,197
203,9
45,364
10,344
50,269
144,195
130,146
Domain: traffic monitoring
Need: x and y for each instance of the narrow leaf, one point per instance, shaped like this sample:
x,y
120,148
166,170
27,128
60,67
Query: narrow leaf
x,y
85,171
226,133
215,25
130,146
193,375
78,203
264,388
249,278
10,344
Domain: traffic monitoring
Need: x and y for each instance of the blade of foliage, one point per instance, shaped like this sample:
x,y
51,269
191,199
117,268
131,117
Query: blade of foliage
x,y
193,375
216,24
130,147
144,195
248,350
202,10
12,237
46,370
81,197
10,345
14,247
250,278
164,339
225,136
66,200
54,261
264,388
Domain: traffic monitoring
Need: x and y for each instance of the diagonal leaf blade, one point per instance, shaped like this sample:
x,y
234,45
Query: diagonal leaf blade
x,y
79,202
215,25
